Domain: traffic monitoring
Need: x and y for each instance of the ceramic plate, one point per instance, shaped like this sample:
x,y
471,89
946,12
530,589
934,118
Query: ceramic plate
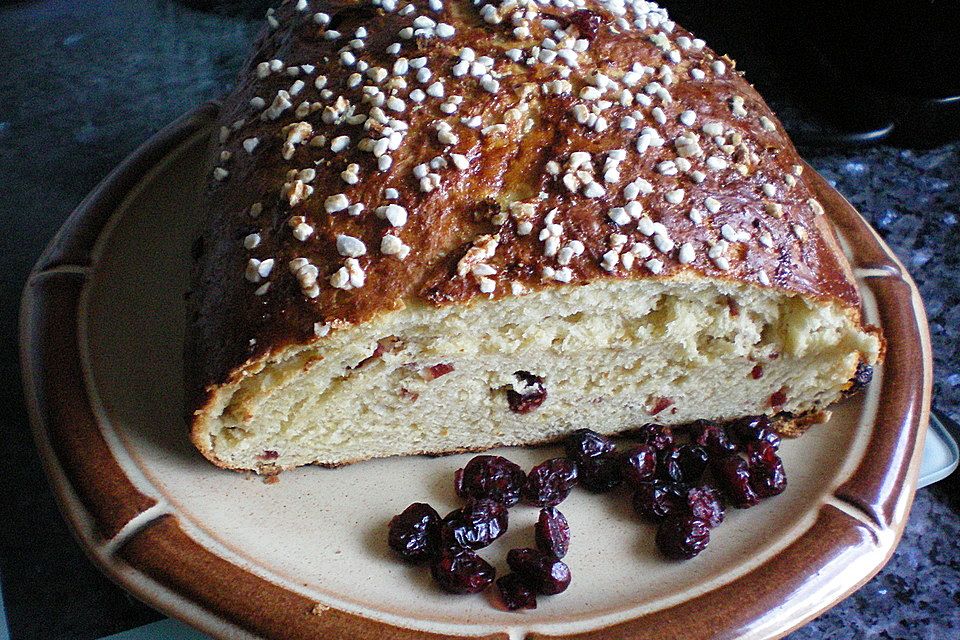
x,y
306,557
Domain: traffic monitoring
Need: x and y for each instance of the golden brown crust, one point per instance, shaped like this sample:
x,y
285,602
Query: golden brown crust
x,y
790,426
492,215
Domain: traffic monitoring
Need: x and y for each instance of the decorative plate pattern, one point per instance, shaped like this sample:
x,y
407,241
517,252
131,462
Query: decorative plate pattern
x,y
306,557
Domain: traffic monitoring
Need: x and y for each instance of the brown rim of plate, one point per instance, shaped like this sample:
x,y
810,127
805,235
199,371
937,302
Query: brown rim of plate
x,y
149,554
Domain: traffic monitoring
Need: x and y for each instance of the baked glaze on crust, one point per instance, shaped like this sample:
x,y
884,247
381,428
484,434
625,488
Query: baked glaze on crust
x,y
482,162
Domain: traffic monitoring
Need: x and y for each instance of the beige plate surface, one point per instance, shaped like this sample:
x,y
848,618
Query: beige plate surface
x,y
306,557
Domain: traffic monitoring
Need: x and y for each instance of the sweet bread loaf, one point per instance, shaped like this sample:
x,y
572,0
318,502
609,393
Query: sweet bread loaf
x,y
439,225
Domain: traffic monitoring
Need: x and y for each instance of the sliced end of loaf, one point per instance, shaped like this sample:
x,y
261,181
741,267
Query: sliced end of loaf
x,y
611,355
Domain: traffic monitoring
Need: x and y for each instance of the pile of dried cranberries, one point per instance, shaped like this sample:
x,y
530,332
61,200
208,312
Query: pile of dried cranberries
x,y
680,486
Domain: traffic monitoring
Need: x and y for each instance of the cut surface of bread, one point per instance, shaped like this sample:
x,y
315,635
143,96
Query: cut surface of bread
x,y
532,368
444,226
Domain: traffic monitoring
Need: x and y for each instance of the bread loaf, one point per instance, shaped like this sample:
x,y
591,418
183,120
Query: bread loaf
x,y
440,225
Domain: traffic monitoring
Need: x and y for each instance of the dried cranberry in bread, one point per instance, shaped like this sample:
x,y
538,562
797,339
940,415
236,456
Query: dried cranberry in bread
x,y
437,226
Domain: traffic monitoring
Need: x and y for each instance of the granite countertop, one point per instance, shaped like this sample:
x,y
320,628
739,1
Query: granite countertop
x,y
85,83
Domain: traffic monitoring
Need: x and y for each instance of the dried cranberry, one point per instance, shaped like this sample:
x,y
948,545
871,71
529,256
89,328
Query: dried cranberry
x,y
531,396
693,462
639,464
755,429
655,500
460,570
438,370
761,453
515,593
704,504
757,372
661,404
552,532
542,571
767,475
476,525
733,476
415,534
681,536
685,463
711,437
861,378
587,23
771,437
768,481
746,429
584,443
549,483
492,477
523,557
778,398
657,436
600,474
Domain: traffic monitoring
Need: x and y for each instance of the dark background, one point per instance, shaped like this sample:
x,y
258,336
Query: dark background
x,y
82,84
